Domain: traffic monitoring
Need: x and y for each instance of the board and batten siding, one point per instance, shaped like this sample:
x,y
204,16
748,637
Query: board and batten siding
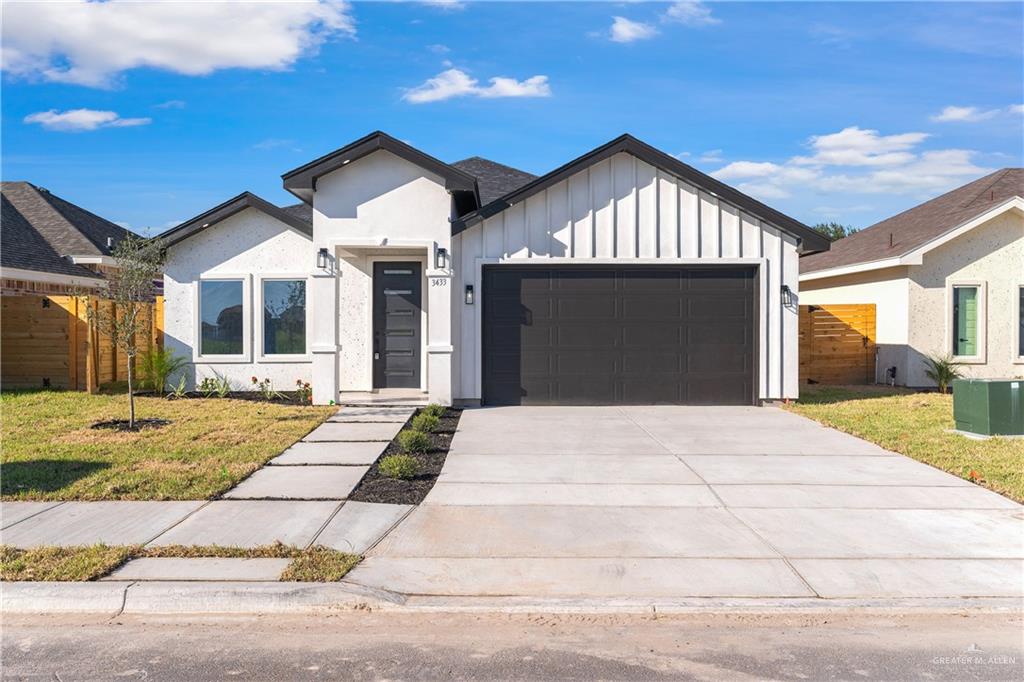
x,y
623,209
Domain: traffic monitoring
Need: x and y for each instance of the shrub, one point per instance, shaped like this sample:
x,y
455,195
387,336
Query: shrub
x,y
158,365
942,369
413,441
207,387
304,392
266,389
435,409
402,467
424,422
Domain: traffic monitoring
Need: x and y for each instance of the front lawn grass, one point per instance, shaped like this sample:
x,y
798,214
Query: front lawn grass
x,y
80,564
917,425
51,453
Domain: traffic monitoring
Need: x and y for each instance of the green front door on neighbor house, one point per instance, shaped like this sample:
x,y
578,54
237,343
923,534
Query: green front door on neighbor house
x,y
965,321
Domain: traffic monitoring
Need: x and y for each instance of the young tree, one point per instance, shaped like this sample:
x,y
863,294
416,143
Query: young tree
x,y
834,230
131,288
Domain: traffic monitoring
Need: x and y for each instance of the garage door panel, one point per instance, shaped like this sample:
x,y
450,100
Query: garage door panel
x,y
635,334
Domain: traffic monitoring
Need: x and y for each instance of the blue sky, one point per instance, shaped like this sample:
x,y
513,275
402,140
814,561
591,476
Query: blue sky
x,y
151,113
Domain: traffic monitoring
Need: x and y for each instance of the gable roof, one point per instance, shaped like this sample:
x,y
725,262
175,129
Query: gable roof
x,y
908,231
810,240
229,208
301,181
493,179
41,231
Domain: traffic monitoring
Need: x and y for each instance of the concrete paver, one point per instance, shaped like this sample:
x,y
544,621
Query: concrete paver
x,y
580,577
359,525
251,523
13,512
562,531
299,483
577,494
808,469
567,468
90,523
333,431
880,533
879,578
330,454
862,497
200,568
372,414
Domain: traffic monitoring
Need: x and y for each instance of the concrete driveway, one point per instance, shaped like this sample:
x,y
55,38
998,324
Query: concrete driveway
x,y
677,502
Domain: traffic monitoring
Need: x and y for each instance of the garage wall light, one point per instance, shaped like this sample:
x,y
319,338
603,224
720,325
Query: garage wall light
x,y
469,294
441,258
321,258
787,295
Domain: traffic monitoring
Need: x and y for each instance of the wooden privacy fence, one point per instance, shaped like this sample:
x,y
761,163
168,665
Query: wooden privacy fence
x,y
48,341
837,344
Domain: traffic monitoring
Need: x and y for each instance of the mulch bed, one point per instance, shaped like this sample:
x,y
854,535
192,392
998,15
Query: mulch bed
x,y
375,487
286,397
122,424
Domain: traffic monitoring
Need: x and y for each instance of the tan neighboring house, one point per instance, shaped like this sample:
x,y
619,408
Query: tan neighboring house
x,y
946,277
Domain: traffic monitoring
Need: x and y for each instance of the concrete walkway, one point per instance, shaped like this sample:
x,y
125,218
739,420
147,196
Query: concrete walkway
x,y
677,502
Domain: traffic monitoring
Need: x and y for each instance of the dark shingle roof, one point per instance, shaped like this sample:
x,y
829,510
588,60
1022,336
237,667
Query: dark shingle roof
x,y
40,230
493,179
921,224
302,211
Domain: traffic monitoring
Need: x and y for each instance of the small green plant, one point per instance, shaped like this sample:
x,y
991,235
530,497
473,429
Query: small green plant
x,y
424,422
413,441
942,369
207,387
158,365
222,386
266,389
435,409
304,392
402,467
178,390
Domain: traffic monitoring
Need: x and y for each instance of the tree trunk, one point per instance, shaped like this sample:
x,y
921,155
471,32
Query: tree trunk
x,y
131,396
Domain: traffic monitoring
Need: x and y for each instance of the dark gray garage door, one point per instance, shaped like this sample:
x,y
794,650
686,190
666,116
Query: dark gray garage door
x,y
630,335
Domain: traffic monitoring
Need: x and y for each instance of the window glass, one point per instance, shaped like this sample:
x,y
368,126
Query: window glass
x,y
1020,318
284,317
965,321
220,317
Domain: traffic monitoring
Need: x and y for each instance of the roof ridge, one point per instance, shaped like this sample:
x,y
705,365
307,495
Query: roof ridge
x,y
45,230
47,195
996,177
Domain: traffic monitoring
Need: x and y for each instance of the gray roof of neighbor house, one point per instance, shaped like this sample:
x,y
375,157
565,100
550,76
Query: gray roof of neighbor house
x,y
40,231
493,179
919,225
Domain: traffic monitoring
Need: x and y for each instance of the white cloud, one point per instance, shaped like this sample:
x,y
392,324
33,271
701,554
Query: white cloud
x,y
448,5
690,13
272,143
624,30
91,43
79,120
711,156
457,83
966,114
439,48
171,104
857,161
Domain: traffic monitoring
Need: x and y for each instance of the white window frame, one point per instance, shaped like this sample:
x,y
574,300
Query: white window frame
x,y
262,357
981,357
246,355
1018,358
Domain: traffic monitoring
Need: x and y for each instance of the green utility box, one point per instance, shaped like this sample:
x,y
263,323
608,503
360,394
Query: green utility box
x,y
991,407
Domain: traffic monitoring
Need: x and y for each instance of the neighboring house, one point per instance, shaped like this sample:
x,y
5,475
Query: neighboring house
x,y
624,276
946,277
51,246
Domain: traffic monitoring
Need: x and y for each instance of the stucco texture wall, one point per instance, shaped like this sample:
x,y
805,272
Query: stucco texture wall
x,y
250,244
993,254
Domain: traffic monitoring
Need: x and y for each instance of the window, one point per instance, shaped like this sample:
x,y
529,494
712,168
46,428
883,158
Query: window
x,y
221,317
284,317
965,320
1020,322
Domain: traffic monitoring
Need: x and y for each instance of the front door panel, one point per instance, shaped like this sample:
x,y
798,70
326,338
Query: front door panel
x,y
397,307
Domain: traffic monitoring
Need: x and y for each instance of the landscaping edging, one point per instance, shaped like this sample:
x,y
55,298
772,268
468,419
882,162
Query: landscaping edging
x,y
375,487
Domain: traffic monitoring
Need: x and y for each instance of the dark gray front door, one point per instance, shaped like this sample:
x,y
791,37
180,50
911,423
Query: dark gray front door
x,y
632,335
397,306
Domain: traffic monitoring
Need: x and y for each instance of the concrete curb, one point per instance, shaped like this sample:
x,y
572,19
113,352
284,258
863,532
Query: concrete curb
x,y
159,597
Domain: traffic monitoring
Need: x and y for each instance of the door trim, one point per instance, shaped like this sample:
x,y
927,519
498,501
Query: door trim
x,y
757,265
371,262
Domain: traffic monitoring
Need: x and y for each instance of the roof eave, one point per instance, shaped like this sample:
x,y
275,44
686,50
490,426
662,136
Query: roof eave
x,y
231,207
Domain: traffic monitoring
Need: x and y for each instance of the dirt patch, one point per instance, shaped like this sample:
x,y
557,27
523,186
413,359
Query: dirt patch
x,y
375,487
123,424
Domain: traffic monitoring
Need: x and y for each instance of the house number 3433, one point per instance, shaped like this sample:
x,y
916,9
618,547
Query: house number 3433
x,y
439,282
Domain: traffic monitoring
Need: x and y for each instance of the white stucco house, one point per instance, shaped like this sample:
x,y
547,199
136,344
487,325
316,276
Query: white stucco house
x,y
946,278
623,277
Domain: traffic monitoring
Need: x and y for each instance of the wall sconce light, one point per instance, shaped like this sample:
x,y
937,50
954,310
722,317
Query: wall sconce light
x,y
321,259
441,259
469,294
787,295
